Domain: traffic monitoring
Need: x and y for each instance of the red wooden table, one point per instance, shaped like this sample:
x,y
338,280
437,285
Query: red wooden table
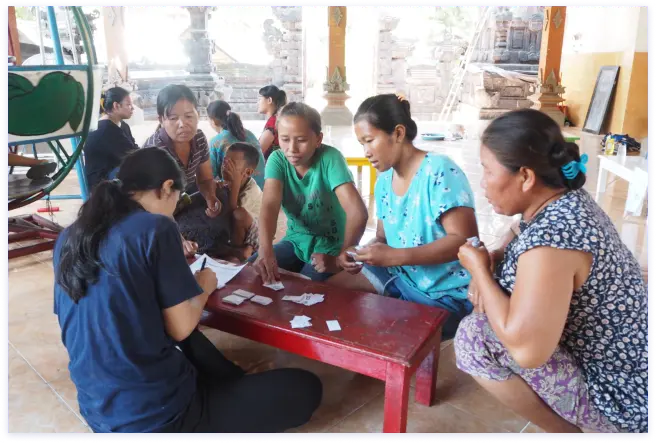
x,y
381,337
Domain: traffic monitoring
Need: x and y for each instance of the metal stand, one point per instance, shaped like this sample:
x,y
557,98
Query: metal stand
x,y
32,227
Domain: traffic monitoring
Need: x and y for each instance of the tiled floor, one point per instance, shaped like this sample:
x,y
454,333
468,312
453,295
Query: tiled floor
x,y
42,397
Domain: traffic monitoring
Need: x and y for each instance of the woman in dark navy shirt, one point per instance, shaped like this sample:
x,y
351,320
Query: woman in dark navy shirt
x,y
128,306
106,146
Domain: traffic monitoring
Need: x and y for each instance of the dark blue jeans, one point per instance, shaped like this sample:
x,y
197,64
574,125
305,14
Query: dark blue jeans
x,y
287,260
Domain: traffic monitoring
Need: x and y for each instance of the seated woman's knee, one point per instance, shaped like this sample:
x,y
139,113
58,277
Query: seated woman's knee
x,y
470,336
242,217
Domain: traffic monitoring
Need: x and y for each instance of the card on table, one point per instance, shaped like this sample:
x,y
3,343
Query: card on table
x,y
234,300
305,299
243,294
301,321
261,300
333,325
276,286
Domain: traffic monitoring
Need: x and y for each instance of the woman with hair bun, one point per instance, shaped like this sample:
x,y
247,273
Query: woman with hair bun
x,y
560,329
425,211
112,141
270,101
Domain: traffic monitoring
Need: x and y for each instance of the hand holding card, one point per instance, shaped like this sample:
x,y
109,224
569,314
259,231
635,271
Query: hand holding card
x,y
276,286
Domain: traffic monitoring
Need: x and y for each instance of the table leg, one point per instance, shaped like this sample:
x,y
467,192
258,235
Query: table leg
x,y
427,378
601,181
372,179
397,386
635,198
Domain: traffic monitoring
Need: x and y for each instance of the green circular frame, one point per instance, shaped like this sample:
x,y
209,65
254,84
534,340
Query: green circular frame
x,y
69,162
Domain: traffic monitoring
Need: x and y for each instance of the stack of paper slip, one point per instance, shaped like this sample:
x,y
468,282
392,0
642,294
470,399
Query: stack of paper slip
x,y
300,322
244,294
261,300
240,296
305,299
234,299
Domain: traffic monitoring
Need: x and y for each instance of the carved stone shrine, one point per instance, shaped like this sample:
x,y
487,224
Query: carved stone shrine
x,y
510,42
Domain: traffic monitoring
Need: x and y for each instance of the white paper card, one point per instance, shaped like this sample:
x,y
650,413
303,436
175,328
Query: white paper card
x,y
244,294
300,322
305,299
353,255
277,286
234,300
261,300
224,272
333,325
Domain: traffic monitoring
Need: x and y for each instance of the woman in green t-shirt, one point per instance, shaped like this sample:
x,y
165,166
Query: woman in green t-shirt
x,y
312,183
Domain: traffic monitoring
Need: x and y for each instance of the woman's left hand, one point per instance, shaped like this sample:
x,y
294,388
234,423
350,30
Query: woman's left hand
x,y
213,203
378,254
213,206
475,260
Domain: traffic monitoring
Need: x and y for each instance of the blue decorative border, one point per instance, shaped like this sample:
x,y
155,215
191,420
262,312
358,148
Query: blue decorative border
x,y
39,68
323,437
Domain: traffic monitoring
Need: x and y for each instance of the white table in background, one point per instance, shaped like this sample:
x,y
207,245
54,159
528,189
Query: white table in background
x,y
632,169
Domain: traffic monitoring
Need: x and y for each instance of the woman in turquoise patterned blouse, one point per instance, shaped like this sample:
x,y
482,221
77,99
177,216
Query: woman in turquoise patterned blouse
x,y
425,212
230,130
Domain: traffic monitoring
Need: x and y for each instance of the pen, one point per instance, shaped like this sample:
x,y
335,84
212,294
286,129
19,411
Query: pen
x,y
204,263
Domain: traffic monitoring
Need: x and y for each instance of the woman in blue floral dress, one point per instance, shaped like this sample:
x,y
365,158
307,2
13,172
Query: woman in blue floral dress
x,y
559,332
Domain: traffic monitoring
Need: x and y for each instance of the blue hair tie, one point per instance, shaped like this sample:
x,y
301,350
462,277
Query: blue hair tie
x,y
572,169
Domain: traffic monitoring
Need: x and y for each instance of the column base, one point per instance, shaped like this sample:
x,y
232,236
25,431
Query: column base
x,y
336,113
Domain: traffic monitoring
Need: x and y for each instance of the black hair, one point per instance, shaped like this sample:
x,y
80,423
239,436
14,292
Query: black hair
x,y
385,112
306,112
221,111
278,96
251,154
143,170
529,138
111,96
170,95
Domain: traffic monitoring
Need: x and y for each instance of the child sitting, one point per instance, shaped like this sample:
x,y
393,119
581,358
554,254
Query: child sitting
x,y
230,130
245,197
312,183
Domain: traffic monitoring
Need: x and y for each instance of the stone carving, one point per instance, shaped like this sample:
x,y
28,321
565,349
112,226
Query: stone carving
x,y
200,75
196,41
510,41
202,78
286,46
336,83
337,15
548,95
392,62
513,35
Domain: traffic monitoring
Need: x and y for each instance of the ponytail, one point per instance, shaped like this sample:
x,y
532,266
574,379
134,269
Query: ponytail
x,y
277,95
80,261
221,113
235,126
145,169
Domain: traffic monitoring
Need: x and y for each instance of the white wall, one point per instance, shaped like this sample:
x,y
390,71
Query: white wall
x,y
642,40
603,28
